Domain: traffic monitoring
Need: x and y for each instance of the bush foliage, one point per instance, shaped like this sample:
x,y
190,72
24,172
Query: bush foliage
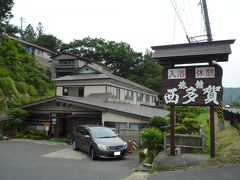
x,y
15,117
20,74
29,133
191,125
152,138
159,122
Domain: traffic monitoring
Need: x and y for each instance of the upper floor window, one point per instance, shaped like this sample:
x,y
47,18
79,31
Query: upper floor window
x,y
73,91
128,95
81,92
65,91
39,52
114,91
147,98
67,62
140,97
154,99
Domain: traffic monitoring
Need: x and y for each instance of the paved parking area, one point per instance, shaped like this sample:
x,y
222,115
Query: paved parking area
x,y
67,153
27,160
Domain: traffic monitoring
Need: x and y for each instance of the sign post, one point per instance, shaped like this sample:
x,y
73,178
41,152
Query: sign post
x,y
172,130
192,86
212,132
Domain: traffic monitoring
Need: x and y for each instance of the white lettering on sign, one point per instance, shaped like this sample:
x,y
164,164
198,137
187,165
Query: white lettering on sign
x,y
205,72
210,92
179,73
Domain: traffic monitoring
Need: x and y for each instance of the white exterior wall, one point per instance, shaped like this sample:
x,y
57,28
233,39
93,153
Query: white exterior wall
x,y
94,89
59,91
112,117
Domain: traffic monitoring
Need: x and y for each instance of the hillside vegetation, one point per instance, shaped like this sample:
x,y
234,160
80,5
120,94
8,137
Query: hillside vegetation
x,y
21,80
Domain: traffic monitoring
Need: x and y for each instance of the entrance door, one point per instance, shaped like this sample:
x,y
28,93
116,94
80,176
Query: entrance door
x,y
63,127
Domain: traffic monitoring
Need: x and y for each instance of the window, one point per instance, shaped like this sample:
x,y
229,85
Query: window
x,y
147,98
120,125
128,95
153,99
131,95
81,92
114,91
140,97
65,91
67,62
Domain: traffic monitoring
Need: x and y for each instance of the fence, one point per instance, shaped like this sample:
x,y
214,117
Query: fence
x,y
187,143
233,116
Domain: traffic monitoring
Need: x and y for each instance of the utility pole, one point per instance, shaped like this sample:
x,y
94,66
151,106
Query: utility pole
x,y
206,20
21,31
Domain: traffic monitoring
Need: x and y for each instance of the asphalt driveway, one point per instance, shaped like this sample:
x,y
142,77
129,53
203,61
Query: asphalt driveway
x,y
27,160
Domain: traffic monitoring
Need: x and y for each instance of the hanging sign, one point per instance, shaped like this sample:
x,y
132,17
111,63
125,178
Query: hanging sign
x,y
192,85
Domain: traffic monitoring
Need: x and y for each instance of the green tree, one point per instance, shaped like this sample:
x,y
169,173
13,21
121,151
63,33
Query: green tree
x,y
152,139
118,56
121,59
15,117
191,124
5,14
29,34
148,73
159,122
49,41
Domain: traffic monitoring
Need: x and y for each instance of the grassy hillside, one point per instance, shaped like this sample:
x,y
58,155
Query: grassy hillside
x,y
21,80
231,95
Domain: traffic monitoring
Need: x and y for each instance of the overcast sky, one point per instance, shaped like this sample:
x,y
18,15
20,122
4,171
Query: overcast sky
x,y
140,23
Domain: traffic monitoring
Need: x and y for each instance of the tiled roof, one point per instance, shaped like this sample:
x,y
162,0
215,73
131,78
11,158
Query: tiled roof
x,y
144,111
32,45
90,102
193,52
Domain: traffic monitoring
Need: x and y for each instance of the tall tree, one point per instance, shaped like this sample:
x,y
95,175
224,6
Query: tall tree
x,y
39,30
49,41
148,73
5,14
29,34
121,58
5,10
118,56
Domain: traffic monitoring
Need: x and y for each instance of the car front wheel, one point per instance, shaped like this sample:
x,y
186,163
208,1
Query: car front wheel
x,y
93,154
74,146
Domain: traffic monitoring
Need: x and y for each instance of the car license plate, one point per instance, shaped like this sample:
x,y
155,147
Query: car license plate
x,y
117,153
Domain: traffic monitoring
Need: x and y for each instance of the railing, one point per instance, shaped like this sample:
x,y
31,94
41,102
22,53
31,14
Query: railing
x,y
187,143
233,116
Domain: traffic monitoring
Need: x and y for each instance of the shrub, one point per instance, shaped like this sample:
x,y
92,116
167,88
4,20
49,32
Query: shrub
x,y
152,139
15,117
149,157
181,130
159,122
29,133
142,156
191,125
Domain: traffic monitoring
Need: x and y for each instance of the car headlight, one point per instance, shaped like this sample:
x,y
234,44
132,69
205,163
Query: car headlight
x,y
102,147
125,145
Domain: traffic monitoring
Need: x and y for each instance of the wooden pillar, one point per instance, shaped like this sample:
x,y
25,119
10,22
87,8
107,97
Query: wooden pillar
x,y
212,132
172,130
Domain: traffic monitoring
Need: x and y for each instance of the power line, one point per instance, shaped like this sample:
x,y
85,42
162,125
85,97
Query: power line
x,y
180,19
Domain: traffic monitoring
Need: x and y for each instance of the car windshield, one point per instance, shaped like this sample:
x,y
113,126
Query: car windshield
x,y
100,132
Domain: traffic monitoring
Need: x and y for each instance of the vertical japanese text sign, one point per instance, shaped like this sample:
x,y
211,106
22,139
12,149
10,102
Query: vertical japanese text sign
x,y
192,85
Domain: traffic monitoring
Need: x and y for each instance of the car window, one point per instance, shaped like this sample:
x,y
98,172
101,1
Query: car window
x,y
102,133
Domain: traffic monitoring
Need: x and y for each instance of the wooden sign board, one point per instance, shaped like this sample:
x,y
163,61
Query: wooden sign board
x,y
192,85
